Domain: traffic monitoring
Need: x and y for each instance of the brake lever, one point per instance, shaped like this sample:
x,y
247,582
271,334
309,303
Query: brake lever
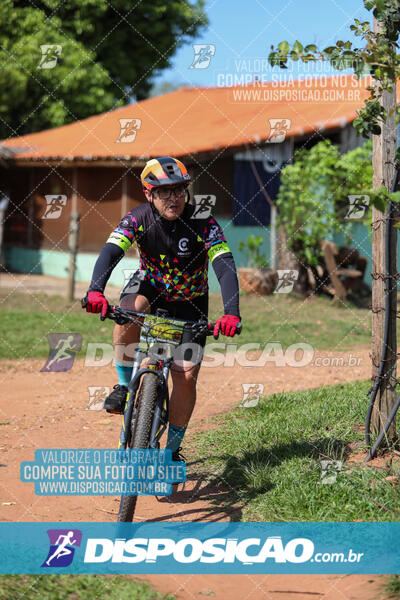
x,y
114,314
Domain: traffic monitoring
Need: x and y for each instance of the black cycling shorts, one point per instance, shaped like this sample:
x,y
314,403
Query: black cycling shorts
x,y
189,310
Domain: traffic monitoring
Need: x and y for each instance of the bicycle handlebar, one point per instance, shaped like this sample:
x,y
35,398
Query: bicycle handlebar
x,y
122,316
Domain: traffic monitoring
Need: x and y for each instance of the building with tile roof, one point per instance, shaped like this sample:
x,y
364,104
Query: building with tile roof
x,y
234,141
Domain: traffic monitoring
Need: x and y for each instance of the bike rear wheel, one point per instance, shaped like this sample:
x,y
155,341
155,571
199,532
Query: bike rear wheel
x,y
140,434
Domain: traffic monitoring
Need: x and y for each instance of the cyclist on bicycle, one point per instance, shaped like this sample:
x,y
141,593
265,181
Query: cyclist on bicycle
x,y
174,250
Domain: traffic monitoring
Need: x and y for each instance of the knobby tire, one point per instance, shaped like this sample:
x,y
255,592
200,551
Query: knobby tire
x,y
140,434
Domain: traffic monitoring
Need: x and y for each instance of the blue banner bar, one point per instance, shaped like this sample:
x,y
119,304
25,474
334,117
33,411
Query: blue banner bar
x,y
215,548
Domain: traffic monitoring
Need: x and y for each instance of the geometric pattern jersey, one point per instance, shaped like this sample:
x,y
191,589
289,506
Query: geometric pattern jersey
x,y
173,255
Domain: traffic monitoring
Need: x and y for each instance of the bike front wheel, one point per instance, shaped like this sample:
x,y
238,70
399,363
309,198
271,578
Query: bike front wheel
x,y
140,434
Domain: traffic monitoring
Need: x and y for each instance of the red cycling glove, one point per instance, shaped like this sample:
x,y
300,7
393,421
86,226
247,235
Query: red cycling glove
x,y
96,302
227,324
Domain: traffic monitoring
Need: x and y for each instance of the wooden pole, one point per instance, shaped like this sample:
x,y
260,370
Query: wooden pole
x,y
31,207
73,238
384,149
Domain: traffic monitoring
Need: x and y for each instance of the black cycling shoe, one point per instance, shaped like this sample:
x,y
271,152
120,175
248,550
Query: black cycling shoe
x,y
177,456
115,402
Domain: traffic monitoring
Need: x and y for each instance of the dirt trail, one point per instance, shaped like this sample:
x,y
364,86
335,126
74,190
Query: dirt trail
x,y
270,587
47,410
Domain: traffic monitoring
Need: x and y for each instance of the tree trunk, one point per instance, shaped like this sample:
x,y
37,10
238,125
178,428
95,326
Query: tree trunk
x,y
285,257
287,260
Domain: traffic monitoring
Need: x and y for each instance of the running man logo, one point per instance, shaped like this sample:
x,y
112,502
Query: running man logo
x,y
62,351
54,205
286,280
128,130
251,395
132,280
358,204
50,54
204,204
97,395
330,470
203,54
278,129
62,547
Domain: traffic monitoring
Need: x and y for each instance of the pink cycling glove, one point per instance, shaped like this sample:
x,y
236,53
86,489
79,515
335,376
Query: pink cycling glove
x,y
96,302
227,324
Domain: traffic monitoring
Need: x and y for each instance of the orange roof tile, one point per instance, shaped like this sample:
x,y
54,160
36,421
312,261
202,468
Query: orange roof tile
x,y
193,120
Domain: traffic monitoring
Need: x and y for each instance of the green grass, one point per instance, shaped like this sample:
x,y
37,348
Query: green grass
x,y
23,333
27,318
74,587
393,587
269,459
289,320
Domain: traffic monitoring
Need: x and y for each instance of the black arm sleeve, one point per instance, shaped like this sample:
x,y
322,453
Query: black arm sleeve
x,y
109,257
225,270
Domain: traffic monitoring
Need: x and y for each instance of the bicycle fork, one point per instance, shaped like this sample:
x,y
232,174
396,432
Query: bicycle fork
x,y
129,404
160,417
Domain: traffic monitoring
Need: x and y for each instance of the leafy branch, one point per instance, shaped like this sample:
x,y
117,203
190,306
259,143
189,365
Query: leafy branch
x,y
377,57
252,248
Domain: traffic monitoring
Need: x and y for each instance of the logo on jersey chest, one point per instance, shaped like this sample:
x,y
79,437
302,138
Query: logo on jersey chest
x,y
183,246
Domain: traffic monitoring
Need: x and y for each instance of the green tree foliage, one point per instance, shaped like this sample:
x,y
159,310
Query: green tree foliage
x,y
111,52
313,196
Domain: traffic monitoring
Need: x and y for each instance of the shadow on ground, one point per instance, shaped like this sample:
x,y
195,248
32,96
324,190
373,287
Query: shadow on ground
x,y
223,495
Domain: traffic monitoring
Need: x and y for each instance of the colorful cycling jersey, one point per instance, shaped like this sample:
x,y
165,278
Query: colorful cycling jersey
x,y
173,255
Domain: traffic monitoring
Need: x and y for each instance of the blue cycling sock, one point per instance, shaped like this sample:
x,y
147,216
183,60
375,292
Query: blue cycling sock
x,y
124,373
175,437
